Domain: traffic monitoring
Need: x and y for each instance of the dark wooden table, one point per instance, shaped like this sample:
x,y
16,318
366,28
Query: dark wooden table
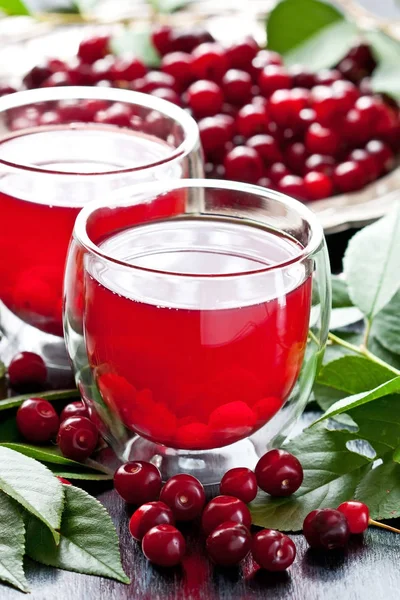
x,y
368,570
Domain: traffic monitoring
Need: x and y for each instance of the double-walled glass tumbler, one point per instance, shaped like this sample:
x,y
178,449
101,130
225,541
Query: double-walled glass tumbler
x,y
196,333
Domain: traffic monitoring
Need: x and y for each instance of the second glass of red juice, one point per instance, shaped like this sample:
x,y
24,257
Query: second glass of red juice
x,y
194,326
59,149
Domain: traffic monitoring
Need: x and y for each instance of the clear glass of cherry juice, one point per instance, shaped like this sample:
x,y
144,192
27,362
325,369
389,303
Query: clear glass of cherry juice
x,y
195,336
59,149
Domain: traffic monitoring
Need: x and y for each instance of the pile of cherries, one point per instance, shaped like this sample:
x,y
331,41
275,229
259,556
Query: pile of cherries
x,y
37,419
310,135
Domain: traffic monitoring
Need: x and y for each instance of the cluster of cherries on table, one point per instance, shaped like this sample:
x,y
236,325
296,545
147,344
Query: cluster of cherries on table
x,y
310,135
37,420
226,519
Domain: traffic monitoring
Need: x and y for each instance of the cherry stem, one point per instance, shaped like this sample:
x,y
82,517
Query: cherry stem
x,y
383,526
362,351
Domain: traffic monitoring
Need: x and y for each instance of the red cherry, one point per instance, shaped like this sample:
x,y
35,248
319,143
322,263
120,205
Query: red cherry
x,y
293,185
161,38
251,120
243,164
27,369
164,546
274,77
279,473
277,171
320,163
229,543
327,76
236,86
93,48
302,77
224,508
355,126
37,420
186,40
296,156
273,550
166,94
118,114
77,438
147,516
155,80
367,162
6,89
240,483
349,176
209,61
180,66
138,482
204,98
214,134
127,69
382,155
74,409
241,54
321,140
327,529
318,185
266,147
285,105
37,76
357,515
185,495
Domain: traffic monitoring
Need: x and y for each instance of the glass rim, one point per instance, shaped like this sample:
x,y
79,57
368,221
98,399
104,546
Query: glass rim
x,y
170,110
317,234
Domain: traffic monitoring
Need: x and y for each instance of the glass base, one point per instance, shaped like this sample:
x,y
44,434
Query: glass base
x,y
18,336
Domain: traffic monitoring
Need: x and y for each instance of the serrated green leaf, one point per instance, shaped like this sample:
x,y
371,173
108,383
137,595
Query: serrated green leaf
x,y
326,396
14,7
89,541
334,351
33,486
340,293
16,401
168,6
325,48
353,374
291,22
12,544
386,325
137,43
380,490
378,423
331,476
348,404
383,353
372,265
60,471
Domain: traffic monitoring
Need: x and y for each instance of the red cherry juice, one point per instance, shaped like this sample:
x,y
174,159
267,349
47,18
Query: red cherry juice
x,y
192,360
38,208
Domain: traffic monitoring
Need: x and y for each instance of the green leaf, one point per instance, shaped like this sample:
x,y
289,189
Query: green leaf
x,y
75,474
16,401
378,422
380,490
3,370
325,396
340,293
9,430
12,544
52,454
33,486
137,43
347,404
385,80
385,48
14,7
386,325
168,6
353,374
342,317
334,351
372,265
325,48
84,7
331,476
88,544
292,22
383,353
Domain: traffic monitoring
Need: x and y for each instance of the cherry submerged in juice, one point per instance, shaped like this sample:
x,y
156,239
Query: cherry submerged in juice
x,y
206,361
38,210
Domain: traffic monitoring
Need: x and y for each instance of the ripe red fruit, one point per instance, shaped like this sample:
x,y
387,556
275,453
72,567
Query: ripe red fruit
x,y
224,508
214,134
320,163
74,409
180,66
37,420
296,156
164,546
277,171
272,78
285,105
138,482
321,140
241,53
279,473
127,69
240,483
293,185
229,543
273,550
209,62
367,162
186,40
117,114
27,369
327,529
266,147
205,98
236,86
318,185
185,495
93,48
166,94
243,164
357,515
161,38
382,155
147,516
251,120
77,438
349,176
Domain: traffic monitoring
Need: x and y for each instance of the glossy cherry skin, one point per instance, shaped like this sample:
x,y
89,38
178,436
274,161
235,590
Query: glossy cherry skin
x,y
326,529
77,438
74,409
229,543
27,369
279,473
184,494
273,550
138,482
317,185
37,420
147,516
164,545
63,481
240,483
224,508
93,48
357,515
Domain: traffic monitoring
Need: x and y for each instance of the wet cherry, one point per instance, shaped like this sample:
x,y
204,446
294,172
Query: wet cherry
x,y
184,494
229,543
273,550
147,516
138,482
279,473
